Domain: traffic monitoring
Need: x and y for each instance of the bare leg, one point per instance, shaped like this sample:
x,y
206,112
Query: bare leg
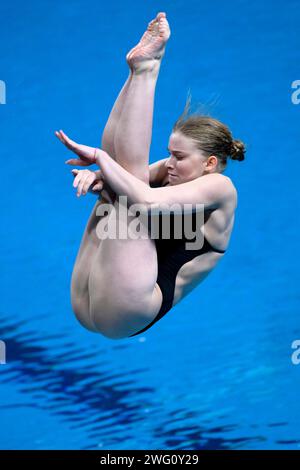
x,y
90,242
107,143
132,137
123,291
80,299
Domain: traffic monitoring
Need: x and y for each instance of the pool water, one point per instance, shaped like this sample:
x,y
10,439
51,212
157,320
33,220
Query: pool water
x,y
216,371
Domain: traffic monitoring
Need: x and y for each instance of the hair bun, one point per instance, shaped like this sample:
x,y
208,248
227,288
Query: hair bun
x,y
238,150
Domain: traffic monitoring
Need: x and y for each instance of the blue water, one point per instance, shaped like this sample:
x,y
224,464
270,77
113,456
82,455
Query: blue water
x,y
216,371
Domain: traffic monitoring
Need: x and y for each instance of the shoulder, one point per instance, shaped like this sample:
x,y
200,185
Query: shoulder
x,y
226,183
220,186
165,180
231,190
216,180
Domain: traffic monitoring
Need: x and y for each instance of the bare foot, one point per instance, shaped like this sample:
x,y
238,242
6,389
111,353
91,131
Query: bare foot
x,y
151,47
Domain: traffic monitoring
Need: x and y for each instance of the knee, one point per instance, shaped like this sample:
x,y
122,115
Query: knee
x,y
117,319
108,325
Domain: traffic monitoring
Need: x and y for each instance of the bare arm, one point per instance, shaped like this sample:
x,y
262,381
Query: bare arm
x,y
157,172
211,190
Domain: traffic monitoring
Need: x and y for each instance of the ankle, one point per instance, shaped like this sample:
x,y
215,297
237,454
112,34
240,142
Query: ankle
x,y
147,67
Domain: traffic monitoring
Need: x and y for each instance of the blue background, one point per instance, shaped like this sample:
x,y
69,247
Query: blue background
x,y
216,371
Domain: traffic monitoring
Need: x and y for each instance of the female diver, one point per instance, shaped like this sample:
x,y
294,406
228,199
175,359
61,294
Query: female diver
x,y
122,286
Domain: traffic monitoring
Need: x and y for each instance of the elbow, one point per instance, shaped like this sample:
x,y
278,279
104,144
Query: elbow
x,y
141,197
153,204
148,198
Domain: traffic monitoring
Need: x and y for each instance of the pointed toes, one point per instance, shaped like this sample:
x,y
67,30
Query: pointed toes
x,y
160,15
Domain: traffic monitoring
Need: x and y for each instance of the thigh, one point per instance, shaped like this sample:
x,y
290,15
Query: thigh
x,y
80,298
123,277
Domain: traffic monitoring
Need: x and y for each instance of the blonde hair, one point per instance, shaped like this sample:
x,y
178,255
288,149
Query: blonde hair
x,y
211,136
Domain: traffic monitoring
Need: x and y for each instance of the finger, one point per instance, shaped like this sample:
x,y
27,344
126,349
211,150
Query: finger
x,y
88,183
81,184
75,171
70,144
62,135
99,174
74,161
59,136
94,191
77,180
98,186
67,139
62,138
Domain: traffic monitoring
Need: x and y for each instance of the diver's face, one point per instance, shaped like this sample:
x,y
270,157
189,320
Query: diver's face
x,y
185,162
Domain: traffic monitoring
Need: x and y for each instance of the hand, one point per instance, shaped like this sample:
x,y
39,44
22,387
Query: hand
x,y
87,181
87,155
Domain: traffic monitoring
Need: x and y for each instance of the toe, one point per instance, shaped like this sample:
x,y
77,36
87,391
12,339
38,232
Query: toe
x,y
160,15
152,22
164,28
151,25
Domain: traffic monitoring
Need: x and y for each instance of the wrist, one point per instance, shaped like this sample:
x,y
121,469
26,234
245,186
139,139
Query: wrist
x,y
98,174
98,155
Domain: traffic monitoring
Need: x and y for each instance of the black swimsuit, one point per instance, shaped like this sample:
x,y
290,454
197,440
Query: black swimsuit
x,y
171,255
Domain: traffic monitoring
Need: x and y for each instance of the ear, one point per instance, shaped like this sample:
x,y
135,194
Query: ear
x,y
212,161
